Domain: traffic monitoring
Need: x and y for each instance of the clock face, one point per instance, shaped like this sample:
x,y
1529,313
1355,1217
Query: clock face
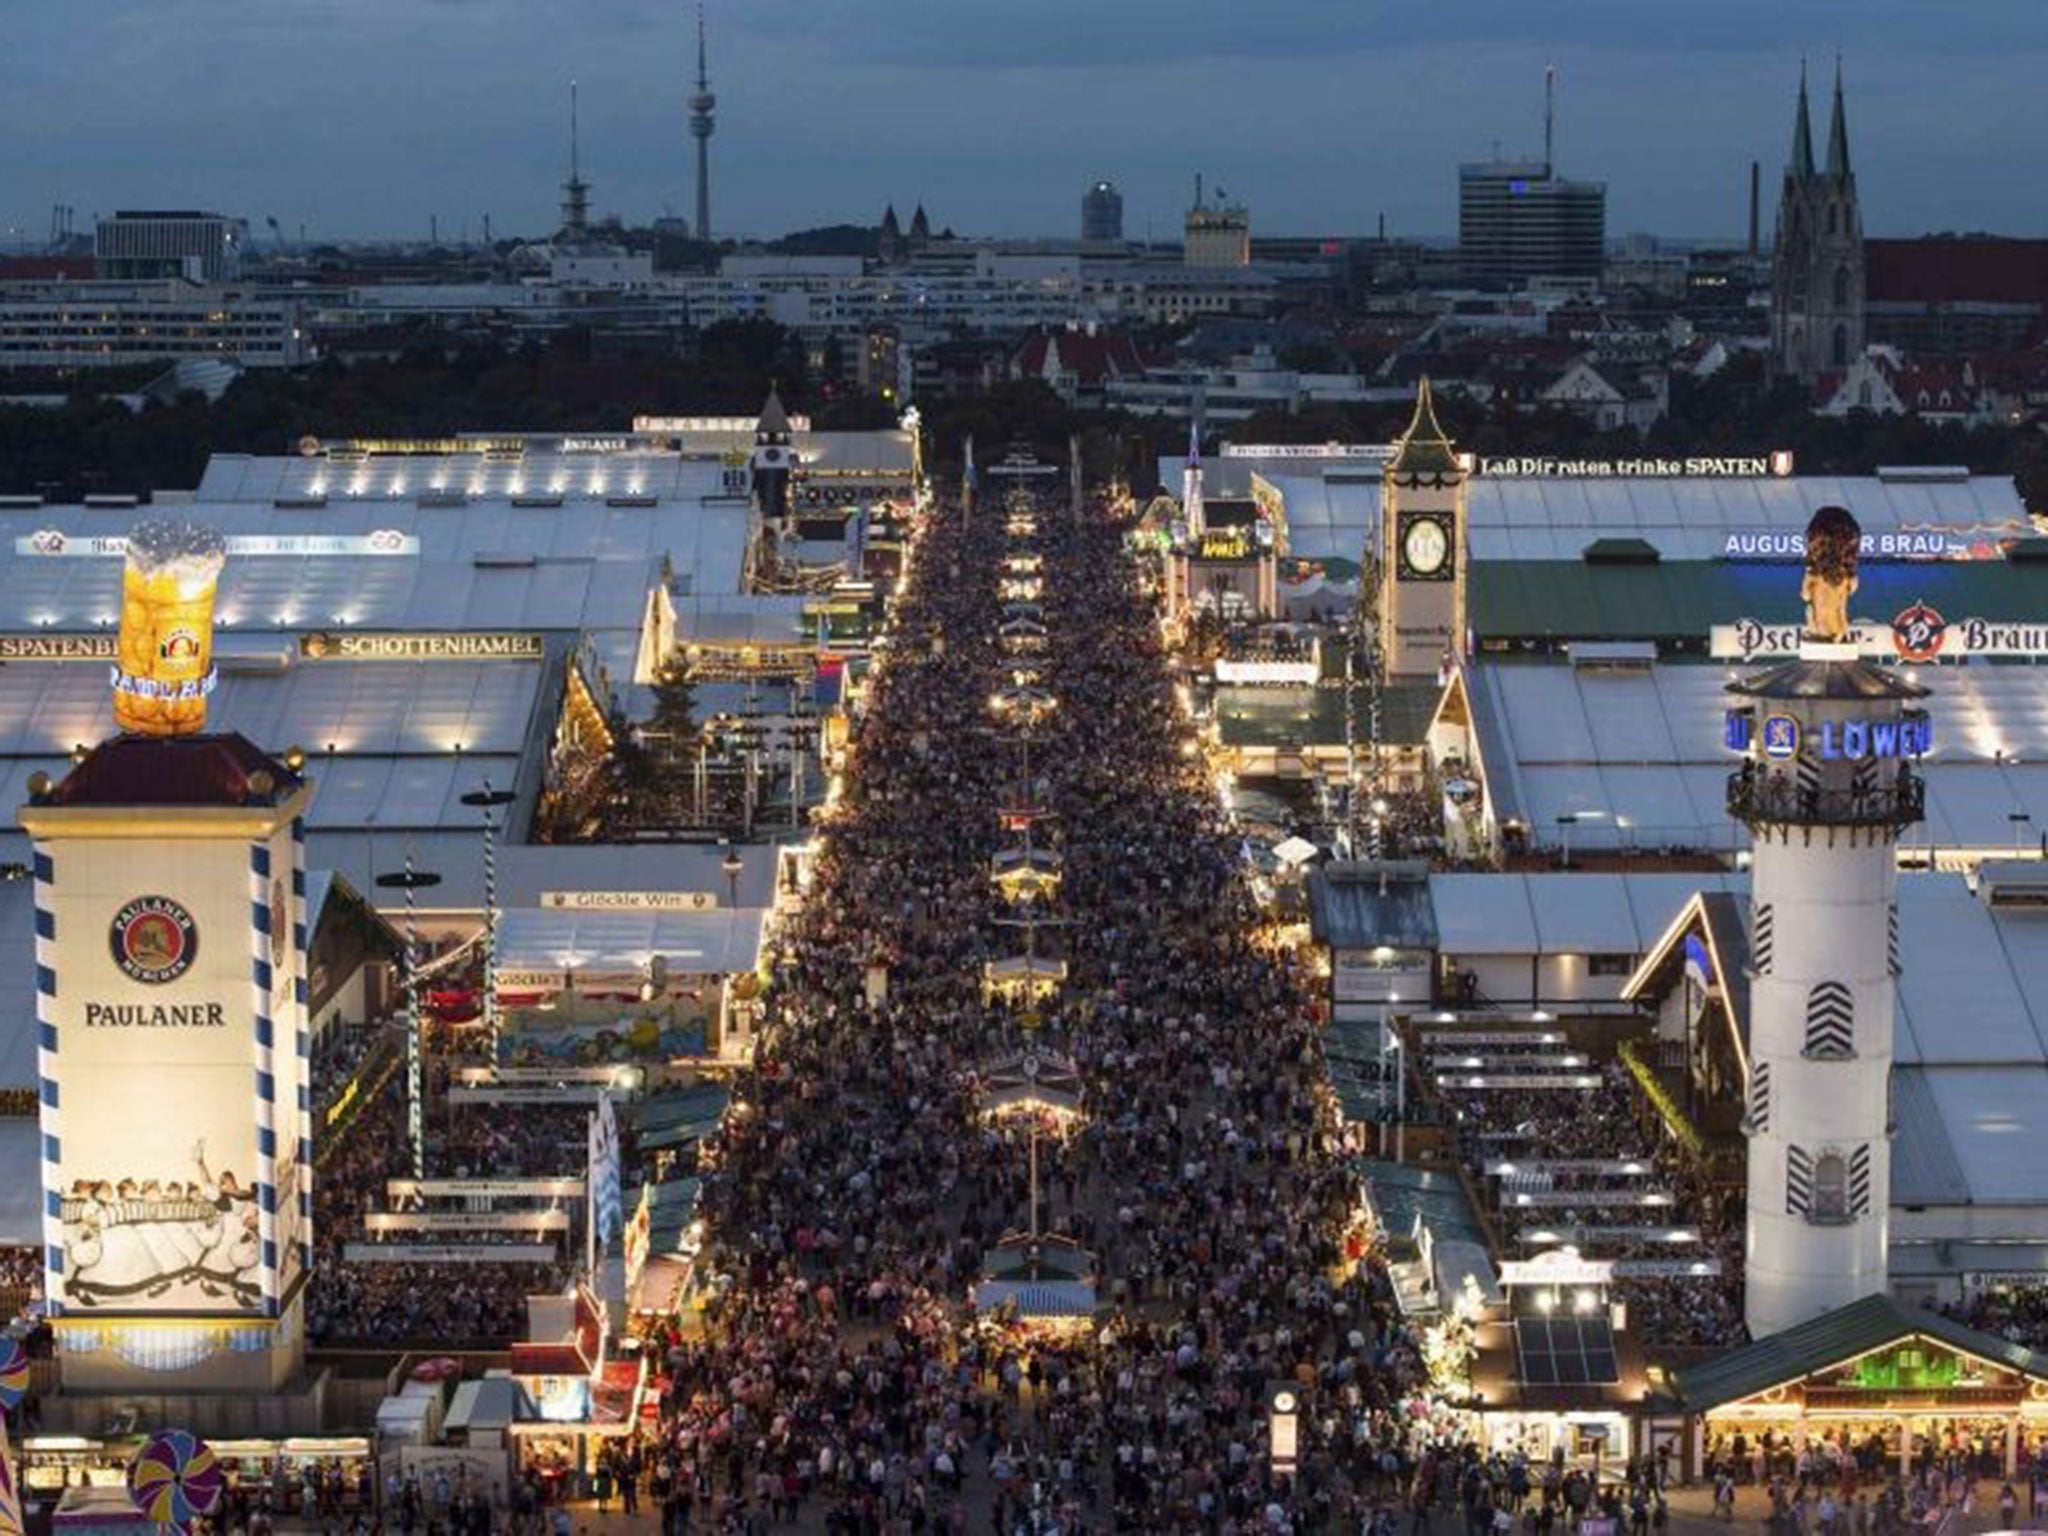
x,y
1425,547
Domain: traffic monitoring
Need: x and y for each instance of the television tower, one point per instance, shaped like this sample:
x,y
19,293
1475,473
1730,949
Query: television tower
x,y
1828,783
701,104
575,191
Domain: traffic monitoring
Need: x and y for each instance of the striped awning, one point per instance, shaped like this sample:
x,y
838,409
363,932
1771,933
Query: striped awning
x,y
1037,1298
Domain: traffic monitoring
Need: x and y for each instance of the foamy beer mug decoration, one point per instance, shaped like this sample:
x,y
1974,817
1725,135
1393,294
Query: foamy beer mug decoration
x,y
165,670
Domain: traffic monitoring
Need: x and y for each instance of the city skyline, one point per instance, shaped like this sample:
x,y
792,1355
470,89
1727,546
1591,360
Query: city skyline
x,y
450,111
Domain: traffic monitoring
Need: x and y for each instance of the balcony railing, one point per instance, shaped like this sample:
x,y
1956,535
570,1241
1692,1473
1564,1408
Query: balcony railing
x,y
1757,797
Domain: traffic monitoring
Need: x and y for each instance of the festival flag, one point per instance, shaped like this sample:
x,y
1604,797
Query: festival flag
x,y
606,1199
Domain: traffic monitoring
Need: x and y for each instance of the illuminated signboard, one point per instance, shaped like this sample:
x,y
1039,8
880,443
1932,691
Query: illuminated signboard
x,y
1224,546
1298,672
477,647
1831,740
1378,453
1854,740
53,544
1781,737
58,648
421,447
1911,541
710,423
630,901
1765,466
1917,634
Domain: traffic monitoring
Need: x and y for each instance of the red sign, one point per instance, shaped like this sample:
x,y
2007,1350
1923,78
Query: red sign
x,y
1918,633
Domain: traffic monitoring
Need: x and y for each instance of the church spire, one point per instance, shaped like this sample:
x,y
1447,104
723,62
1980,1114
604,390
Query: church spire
x,y
1838,132
1802,133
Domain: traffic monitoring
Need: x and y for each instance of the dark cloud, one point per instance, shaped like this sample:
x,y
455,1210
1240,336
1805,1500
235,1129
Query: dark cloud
x,y
368,116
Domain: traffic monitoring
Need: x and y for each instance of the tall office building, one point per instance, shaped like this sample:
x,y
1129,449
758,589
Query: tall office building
x,y
202,247
1817,279
702,103
1102,213
1217,234
1519,219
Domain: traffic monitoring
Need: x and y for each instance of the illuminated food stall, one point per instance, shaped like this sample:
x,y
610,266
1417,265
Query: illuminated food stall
x,y
589,987
581,1392
1913,1379
1033,1280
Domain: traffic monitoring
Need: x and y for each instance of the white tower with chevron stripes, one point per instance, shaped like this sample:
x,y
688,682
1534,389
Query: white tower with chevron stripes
x,y
1826,786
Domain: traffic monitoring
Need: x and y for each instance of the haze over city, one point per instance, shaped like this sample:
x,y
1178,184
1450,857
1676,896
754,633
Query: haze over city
x,y
367,118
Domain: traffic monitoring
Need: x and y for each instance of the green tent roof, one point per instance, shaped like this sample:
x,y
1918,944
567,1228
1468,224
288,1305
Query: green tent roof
x,y
1250,716
1684,599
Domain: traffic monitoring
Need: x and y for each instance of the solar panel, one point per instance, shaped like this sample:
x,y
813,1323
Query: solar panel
x,y
1566,1351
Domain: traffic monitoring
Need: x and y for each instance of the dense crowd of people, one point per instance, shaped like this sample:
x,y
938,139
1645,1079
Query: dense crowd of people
x,y
439,1305
855,1186
2015,1312
1611,1122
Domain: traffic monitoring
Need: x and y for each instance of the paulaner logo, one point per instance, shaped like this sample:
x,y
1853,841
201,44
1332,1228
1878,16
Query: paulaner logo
x,y
153,940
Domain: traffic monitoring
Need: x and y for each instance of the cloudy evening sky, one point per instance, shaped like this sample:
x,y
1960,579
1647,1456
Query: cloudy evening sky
x,y
365,117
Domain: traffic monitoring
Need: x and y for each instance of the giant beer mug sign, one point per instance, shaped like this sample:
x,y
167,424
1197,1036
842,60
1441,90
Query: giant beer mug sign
x,y
164,670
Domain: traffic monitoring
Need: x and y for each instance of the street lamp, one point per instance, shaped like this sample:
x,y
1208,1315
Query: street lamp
x,y
488,800
730,866
412,881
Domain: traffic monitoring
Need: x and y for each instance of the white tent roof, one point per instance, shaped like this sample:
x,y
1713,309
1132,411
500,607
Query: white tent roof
x,y
1561,913
720,943
528,870
1338,513
1970,1134
488,565
1636,756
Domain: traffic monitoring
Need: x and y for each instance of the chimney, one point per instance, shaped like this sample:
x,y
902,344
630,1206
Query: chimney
x,y
1754,177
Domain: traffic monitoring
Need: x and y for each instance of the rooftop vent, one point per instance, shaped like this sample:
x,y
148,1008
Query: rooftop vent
x,y
253,662
2013,885
112,502
1621,552
304,503
1923,474
1612,655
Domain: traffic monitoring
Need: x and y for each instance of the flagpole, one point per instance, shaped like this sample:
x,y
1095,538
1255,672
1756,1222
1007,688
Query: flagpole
x,y
590,1201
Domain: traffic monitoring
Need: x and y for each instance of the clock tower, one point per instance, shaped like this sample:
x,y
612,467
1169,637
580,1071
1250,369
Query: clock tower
x,y
1422,550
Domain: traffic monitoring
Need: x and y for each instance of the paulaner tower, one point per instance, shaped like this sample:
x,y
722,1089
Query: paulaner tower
x,y
1826,787
171,1015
